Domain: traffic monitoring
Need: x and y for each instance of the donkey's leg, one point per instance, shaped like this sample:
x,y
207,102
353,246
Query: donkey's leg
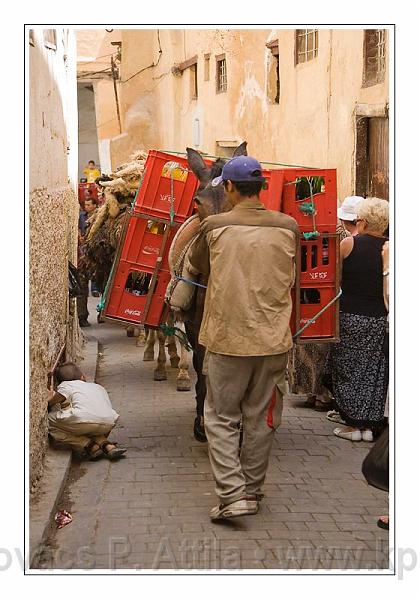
x,y
171,345
149,351
200,386
173,352
142,337
160,371
183,382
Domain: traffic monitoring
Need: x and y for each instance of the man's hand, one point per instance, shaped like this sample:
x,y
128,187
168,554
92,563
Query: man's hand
x,y
51,393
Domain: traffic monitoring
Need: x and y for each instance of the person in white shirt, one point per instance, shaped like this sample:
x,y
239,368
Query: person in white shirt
x,y
81,415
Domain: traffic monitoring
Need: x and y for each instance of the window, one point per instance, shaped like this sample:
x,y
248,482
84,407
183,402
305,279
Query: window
x,y
221,75
207,67
374,56
306,45
193,82
50,39
273,79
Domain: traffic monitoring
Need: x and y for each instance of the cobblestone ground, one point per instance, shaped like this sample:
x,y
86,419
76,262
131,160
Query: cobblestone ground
x,y
150,510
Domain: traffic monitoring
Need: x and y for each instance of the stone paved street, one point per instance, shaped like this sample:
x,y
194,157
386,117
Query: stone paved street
x,y
150,510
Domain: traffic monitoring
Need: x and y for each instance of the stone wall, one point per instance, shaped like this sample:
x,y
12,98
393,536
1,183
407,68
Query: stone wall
x,y
53,230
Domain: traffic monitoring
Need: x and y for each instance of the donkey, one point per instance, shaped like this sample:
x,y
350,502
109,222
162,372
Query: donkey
x,y
209,200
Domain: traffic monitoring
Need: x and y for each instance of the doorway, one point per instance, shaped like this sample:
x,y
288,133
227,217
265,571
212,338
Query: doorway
x,y
372,157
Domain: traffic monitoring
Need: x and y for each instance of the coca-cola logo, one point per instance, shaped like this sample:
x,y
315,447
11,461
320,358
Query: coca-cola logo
x,y
132,312
150,250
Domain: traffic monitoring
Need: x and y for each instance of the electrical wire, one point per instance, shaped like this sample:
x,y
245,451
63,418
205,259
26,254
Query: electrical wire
x,y
150,66
97,58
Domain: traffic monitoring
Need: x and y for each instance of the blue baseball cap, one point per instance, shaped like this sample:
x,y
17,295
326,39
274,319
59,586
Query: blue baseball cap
x,y
241,169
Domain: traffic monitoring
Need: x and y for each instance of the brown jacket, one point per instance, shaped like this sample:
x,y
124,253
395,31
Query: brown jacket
x,y
250,255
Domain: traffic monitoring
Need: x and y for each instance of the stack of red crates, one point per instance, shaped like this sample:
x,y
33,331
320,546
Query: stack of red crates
x,y
141,271
317,279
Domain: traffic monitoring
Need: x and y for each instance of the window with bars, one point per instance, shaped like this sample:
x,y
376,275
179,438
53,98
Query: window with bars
x,y
50,39
374,56
306,45
221,74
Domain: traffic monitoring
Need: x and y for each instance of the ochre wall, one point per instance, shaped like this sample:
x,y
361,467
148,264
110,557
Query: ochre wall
x,y
53,214
313,124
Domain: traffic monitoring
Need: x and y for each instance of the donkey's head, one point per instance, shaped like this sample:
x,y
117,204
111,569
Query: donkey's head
x,y
209,199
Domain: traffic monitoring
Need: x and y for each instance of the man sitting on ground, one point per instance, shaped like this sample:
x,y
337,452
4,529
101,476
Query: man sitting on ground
x,y
81,415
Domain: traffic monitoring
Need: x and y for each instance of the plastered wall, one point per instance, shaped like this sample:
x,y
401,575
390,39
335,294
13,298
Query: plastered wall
x,y
313,124
53,214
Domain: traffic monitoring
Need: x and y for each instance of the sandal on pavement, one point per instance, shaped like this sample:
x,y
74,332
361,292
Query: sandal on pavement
x,y
235,509
114,452
353,436
334,416
92,454
382,523
367,435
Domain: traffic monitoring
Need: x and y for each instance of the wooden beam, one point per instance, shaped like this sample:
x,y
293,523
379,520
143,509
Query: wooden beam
x,y
188,63
274,47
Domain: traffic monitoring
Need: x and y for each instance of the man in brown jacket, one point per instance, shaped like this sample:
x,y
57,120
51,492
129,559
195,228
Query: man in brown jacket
x,y
249,254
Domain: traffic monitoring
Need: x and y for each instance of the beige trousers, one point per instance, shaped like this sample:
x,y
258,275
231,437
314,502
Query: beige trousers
x,y
250,388
77,435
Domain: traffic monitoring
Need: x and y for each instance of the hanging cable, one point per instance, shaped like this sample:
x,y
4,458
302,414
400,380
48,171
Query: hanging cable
x,y
154,64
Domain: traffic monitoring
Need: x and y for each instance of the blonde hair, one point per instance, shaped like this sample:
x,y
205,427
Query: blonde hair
x,y
375,212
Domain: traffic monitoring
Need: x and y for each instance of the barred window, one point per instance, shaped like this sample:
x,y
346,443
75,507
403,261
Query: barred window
x,y
374,56
221,75
306,45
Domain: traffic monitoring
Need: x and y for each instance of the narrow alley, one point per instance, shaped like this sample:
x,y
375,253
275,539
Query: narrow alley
x,y
150,510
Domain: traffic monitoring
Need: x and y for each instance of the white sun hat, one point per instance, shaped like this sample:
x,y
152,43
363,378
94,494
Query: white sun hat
x,y
347,210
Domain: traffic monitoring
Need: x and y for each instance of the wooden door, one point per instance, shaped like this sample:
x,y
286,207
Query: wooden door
x,y
378,158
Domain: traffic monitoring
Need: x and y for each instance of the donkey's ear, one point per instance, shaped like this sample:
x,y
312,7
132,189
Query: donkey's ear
x,y
241,150
197,164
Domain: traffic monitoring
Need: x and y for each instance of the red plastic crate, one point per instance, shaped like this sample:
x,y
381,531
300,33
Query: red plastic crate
x,y
125,305
319,260
142,243
316,297
272,196
154,197
325,202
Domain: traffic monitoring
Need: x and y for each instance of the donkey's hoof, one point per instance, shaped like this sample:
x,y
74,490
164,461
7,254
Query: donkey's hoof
x,y
140,341
174,362
148,357
183,385
199,431
159,376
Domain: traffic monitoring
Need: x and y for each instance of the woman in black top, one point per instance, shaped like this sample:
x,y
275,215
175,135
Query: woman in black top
x,y
359,361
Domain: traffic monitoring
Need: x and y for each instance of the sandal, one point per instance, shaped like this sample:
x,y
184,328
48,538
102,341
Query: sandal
x,y
93,454
114,452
